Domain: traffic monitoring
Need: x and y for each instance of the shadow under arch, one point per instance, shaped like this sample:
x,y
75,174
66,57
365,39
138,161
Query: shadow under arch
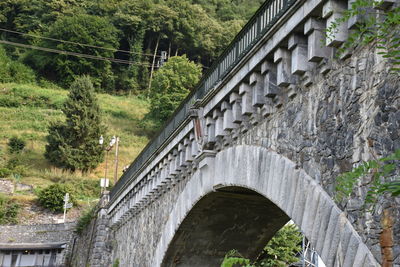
x,y
284,190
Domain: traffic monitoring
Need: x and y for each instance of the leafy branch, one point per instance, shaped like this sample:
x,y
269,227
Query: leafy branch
x,y
375,24
383,179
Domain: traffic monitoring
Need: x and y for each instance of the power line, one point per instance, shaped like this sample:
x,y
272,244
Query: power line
x,y
56,51
75,43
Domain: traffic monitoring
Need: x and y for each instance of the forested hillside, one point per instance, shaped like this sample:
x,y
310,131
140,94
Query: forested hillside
x,y
47,45
117,42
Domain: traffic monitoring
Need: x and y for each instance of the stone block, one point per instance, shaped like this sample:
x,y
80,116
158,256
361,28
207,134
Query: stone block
x,y
228,119
310,210
331,236
283,59
257,85
293,180
338,35
351,250
300,198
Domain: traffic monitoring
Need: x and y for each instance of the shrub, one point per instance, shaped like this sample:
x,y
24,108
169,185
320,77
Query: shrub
x,y
16,144
4,172
9,210
85,220
52,197
14,71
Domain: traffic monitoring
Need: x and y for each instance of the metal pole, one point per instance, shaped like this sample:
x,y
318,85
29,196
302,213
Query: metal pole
x,y
304,251
116,161
105,171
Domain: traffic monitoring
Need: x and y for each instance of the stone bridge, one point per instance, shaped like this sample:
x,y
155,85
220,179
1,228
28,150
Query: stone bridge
x,y
260,142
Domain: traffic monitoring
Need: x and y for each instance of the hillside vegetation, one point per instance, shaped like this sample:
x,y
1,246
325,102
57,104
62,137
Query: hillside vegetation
x,y
118,45
130,34
26,111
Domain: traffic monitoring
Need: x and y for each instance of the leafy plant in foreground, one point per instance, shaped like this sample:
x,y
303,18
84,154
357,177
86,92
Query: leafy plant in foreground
x,y
381,173
376,24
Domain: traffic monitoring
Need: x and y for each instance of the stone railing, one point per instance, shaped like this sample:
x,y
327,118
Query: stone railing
x,y
282,47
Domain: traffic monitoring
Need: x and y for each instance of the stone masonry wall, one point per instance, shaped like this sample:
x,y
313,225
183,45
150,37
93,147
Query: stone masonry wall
x,y
350,115
347,116
43,233
92,247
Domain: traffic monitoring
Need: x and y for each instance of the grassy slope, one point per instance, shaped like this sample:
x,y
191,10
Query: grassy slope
x,y
26,111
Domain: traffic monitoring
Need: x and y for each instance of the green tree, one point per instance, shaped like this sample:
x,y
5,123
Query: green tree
x,y
14,71
74,144
280,251
172,83
81,28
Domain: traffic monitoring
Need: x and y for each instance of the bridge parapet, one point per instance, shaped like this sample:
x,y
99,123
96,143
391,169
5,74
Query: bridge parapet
x,y
282,48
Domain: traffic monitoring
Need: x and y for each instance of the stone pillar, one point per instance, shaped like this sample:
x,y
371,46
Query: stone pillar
x,y
299,63
194,146
182,155
247,98
99,253
332,11
236,101
210,125
227,124
257,86
314,29
187,142
282,58
219,121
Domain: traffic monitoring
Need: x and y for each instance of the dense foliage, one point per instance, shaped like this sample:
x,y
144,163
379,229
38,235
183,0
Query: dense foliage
x,y
52,197
376,24
81,28
171,85
198,28
8,210
74,144
12,70
16,144
382,175
280,251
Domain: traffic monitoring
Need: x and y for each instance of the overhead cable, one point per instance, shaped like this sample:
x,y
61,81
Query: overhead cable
x,y
63,52
75,43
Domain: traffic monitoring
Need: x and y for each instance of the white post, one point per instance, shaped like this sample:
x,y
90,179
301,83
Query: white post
x,y
66,198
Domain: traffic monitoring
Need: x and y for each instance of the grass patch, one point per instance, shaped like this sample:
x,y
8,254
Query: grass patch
x,y
26,112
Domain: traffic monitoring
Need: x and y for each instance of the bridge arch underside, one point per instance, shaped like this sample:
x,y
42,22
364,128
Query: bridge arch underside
x,y
230,218
240,198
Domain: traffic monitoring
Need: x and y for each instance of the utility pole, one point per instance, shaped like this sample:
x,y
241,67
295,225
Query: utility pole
x,y
116,160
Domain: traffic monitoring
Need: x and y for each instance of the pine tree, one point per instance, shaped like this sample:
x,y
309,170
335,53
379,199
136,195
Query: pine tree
x,y
74,144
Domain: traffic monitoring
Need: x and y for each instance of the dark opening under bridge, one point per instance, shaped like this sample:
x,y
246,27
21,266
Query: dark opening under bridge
x,y
260,141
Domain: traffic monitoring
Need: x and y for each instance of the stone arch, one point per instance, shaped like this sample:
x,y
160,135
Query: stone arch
x,y
289,188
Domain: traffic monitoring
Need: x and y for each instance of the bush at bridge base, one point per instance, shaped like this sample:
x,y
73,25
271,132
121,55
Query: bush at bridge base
x,y
52,197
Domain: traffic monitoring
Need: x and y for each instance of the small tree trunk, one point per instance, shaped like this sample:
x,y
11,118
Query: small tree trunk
x,y
169,50
152,65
